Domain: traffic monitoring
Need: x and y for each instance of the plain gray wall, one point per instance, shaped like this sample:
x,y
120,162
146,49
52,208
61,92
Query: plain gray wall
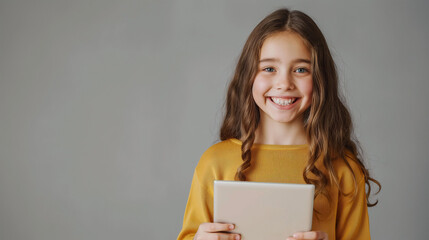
x,y
106,107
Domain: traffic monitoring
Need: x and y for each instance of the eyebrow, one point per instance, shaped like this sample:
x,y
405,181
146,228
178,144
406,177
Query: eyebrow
x,y
278,60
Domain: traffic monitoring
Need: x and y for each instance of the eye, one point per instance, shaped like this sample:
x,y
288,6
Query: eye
x,y
268,69
301,70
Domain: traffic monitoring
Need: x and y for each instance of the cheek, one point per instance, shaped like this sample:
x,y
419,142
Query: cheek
x,y
260,87
310,91
255,93
307,88
258,92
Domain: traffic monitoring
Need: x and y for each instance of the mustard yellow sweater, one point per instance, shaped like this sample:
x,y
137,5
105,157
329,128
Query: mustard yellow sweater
x,y
344,217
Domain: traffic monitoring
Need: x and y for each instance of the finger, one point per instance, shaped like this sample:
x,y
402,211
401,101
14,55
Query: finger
x,y
222,236
216,227
317,235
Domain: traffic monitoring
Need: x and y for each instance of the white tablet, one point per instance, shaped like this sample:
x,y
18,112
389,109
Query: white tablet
x,y
264,210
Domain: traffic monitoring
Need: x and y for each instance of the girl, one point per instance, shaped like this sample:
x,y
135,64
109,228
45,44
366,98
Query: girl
x,y
285,122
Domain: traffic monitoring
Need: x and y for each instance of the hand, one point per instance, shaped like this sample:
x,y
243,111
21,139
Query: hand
x,y
209,231
314,235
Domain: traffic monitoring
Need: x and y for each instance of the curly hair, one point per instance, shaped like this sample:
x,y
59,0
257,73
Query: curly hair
x,y
327,113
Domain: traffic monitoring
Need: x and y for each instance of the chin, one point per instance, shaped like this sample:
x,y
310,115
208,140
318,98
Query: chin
x,y
284,120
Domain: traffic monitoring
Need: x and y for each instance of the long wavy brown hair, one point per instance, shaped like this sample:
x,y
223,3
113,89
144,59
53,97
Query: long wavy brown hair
x,y
326,115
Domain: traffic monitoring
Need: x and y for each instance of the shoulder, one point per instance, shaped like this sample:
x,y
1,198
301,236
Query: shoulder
x,y
224,156
220,151
349,171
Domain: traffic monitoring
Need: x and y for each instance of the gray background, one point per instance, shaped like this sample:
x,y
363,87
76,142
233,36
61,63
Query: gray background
x,y
106,107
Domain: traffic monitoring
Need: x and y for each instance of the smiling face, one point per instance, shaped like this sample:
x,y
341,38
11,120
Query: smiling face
x,y
283,85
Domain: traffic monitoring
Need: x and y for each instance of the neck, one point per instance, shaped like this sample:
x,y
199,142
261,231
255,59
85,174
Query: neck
x,y
276,133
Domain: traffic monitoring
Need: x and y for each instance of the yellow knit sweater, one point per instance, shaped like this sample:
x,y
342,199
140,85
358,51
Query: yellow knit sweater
x,y
343,217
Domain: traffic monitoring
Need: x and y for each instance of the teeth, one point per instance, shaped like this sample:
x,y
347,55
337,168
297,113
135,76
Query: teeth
x,y
283,102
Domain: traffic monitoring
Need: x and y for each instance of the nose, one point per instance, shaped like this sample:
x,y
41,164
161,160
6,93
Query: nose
x,y
284,82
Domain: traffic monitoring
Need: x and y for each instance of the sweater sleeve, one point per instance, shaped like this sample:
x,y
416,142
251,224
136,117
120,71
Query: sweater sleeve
x,y
352,215
197,209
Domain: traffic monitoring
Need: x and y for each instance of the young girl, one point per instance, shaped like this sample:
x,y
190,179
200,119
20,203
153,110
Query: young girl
x,y
285,122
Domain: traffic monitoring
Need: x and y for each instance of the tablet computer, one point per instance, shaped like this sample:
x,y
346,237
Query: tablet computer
x,y
264,210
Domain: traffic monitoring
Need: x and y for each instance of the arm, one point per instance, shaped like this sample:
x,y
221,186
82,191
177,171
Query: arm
x,y
352,217
197,220
197,209
350,220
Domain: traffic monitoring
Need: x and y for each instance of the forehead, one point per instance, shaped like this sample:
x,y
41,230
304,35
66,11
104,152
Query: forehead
x,y
285,45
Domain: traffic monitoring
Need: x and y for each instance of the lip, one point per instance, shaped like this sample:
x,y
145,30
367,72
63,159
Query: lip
x,y
287,107
283,97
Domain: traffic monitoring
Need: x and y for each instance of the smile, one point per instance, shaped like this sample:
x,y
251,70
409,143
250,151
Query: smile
x,y
283,101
